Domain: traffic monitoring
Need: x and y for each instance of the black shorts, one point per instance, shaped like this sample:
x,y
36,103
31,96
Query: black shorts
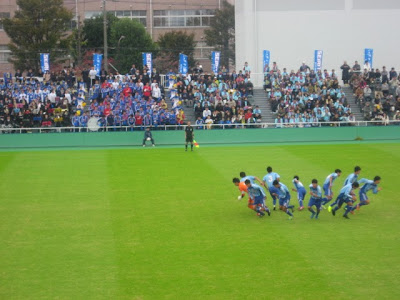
x,y
189,140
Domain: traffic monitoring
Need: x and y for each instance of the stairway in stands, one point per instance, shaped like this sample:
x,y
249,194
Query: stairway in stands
x,y
189,111
355,109
260,99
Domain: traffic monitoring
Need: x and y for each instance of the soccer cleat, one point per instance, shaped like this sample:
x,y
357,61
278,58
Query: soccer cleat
x,y
274,207
312,215
334,212
260,214
301,208
346,216
316,217
329,208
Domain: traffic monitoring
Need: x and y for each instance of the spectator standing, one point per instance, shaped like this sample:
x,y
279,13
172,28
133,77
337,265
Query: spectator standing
x,y
345,73
92,75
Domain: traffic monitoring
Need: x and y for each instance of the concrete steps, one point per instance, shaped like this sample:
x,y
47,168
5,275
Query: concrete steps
x,y
355,109
260,99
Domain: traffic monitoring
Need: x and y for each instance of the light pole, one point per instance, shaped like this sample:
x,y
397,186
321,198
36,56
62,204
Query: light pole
x,y
105,36
119,41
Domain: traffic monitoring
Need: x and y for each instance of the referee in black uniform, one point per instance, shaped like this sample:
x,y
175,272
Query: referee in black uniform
x,y
189,135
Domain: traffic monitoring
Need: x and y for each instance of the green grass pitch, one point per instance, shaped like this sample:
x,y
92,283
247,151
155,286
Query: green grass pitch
x,y
161,223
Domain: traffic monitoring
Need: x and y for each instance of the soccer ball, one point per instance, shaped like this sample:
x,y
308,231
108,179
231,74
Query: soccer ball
x,y
240,197
148,139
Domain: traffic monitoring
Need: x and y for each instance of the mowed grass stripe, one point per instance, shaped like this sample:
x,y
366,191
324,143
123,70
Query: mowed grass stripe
x,y
56,234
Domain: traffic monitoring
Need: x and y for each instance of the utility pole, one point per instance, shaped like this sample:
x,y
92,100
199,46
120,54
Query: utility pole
x,y
78,29
105,36
79,61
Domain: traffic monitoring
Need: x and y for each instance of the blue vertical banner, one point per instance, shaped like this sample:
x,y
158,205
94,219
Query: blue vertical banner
x,y
45,62
266,58
318,54
7,77
183,64
97,59
369,55
215,60
148,61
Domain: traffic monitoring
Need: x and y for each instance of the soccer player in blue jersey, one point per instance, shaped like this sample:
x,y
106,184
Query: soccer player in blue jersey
x,y
315,199
346,195
257,193
284,198
328,186
368,186
244,177
268,182
353,176
301,191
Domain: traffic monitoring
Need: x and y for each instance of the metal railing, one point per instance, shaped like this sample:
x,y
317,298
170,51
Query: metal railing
x,y
5,130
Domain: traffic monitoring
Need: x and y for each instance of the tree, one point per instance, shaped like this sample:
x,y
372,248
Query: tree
x,y
38,27
128,40
93,31
221,34
171,44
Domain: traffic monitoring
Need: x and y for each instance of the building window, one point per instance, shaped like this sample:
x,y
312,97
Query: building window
x,y
4,53
202,51
138,15
183,18
3,15
92,14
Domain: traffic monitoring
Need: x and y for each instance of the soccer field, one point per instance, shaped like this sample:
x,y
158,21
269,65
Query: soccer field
x,y
161,223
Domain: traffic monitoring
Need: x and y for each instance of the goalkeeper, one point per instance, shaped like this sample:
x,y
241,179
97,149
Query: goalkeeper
x,y
148,137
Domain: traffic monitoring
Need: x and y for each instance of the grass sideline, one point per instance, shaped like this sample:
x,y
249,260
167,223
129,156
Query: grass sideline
x,y
165,224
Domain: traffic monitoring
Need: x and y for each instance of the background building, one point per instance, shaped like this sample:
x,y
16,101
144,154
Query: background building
x,y
293,29
158,16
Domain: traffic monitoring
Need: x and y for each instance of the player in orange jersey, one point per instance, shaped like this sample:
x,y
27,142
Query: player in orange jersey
x,y
243,190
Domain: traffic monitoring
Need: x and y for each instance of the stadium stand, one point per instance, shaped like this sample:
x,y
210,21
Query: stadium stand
x,y
299,98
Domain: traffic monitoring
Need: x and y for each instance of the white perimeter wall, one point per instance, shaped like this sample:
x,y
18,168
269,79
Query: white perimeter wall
x,y
293,29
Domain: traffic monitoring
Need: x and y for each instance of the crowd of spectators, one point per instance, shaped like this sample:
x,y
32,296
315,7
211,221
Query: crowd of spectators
x,y
377,93
301,98
58,100
305,98
222,98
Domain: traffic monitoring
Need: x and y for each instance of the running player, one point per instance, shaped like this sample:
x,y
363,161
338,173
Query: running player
x,y
243,190
284,198
268,182
328,186
244,177
257,193
353,176
301,191
368,185
346,195
315,199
